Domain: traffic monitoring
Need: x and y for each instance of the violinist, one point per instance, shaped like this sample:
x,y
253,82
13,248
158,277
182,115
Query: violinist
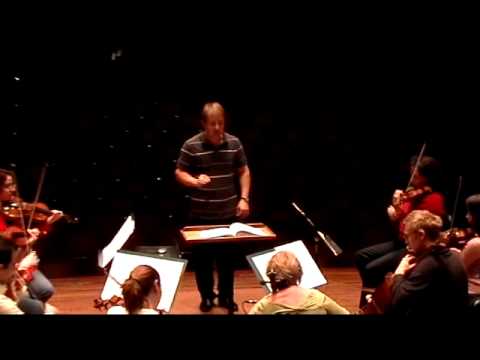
x,y
141,293
376,261
430,279
471,251
40,290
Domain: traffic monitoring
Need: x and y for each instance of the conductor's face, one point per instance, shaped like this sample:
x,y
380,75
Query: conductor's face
x,y
214,126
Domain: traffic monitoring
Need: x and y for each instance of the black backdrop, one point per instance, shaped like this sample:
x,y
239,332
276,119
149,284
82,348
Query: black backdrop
x,y
331,131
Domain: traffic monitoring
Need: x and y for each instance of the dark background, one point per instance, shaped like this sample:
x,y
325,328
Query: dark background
x,y
331,128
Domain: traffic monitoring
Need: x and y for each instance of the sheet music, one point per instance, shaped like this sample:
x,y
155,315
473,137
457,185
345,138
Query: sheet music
x,y
107,254
312,276
170,271
232,230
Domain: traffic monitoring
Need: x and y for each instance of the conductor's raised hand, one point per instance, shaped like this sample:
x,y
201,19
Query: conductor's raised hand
x,y
203,180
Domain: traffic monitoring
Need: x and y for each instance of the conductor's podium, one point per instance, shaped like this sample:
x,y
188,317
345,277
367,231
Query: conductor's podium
x,y
235,233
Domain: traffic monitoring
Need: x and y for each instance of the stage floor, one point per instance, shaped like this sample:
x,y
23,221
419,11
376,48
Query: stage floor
x,y
76,295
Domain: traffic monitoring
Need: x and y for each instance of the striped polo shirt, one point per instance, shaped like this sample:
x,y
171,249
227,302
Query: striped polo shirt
x,y
217,200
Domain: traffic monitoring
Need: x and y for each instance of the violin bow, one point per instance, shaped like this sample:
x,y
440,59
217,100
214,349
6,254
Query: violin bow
x,y
22,220
419,158
457,197
37,195
111,277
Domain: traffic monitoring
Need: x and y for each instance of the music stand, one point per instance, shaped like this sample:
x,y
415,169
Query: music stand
x,y
312,276
108,253
169,269
192,235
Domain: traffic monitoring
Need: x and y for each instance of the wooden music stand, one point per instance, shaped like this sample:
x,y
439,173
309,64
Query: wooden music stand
x,y
191,235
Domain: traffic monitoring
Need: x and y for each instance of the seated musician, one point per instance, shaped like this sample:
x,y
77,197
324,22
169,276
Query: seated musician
x,y
430,279
374,262
471,251
8,255
141,293
40,290
285,272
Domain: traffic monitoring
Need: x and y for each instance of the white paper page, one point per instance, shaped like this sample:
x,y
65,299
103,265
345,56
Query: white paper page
x,y
213,233
107,254
312,276
170,272
238,227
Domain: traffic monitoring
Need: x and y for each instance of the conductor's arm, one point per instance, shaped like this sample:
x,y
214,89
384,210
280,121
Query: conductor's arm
x,y
184,178
243,207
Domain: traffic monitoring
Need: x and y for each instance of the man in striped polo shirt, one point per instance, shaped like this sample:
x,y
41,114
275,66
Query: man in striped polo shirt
x,y
213,165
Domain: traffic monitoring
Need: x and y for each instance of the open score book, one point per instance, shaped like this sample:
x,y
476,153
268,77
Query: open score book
x,y
233,230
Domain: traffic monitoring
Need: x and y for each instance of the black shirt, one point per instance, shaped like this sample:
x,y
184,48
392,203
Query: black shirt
x,y
436,285
217,200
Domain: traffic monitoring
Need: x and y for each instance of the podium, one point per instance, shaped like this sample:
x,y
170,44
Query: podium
x,y
191,235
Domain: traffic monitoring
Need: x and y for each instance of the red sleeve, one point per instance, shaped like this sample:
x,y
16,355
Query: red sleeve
x,y
3,225
435,203
405,209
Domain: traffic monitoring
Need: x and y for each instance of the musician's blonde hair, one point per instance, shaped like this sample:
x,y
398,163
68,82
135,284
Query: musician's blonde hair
x,y
284,270
423,219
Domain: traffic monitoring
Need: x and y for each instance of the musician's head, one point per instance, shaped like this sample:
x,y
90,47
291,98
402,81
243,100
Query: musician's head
x,y
473,211
213,122
7,186
421,230
284,270
8,255
142,289
428,172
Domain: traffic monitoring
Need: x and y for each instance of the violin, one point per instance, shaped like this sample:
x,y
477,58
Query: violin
x,y
107,304
113,301
17,215
39,212
457,237
411,194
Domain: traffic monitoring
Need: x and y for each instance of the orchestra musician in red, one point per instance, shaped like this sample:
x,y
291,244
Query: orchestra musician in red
x,y
33,288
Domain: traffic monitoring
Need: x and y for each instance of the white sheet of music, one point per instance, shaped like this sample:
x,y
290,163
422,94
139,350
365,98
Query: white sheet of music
x,y
170,271
232,230
107,254
312,276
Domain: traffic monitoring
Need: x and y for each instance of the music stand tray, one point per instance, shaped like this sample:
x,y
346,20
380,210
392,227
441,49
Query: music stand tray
x,y
191,235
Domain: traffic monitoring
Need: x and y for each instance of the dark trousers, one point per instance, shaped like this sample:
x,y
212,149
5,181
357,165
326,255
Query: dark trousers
x,y
205,258
374,262
208,257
